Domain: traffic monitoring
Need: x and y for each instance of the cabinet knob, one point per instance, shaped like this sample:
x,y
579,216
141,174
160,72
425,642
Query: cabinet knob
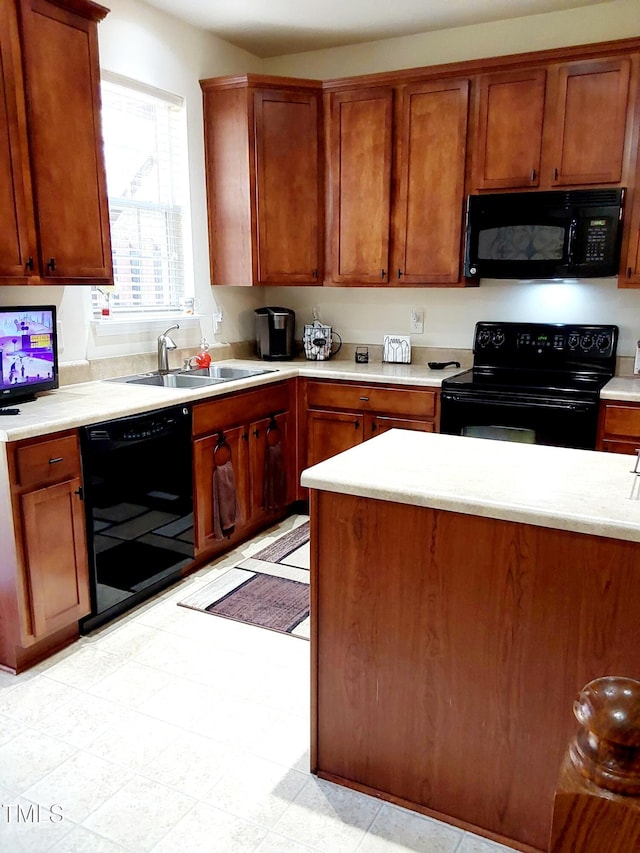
x,y
399,274
356,425
29,264
315,273
52,264
383,273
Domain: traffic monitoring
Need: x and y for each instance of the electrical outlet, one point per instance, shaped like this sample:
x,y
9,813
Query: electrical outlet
x,y
416,323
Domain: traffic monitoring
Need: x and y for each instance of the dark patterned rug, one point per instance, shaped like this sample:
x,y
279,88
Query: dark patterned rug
x,y
264,590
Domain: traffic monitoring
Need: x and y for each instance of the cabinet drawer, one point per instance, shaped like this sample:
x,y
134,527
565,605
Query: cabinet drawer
x,y
622,420
46,462
242,408
394,401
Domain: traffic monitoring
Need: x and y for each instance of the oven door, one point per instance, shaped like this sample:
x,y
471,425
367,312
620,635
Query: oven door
x,y
510,417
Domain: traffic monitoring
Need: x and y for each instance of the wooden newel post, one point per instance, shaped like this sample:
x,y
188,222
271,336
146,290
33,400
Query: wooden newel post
x,y
597,802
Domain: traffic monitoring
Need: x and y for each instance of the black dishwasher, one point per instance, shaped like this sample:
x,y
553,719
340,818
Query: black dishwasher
x,y
139,503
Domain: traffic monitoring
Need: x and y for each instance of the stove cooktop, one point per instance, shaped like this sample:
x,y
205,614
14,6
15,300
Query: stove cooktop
x,y
539,359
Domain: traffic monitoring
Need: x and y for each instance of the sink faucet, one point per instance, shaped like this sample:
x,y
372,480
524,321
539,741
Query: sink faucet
x,y
165,343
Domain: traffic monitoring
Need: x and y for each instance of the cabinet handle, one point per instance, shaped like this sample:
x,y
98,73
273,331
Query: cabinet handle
x,y
532,177
383,273
555,174
315,273
29,264
245,436
399,274
79,493
374,426
629,272
356,425
56,459
366,399
256,433
52,264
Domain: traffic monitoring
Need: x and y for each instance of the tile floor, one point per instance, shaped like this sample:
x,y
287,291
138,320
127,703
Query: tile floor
x,y
172,730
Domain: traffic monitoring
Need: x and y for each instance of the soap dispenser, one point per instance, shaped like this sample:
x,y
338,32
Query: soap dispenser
x,y
203,359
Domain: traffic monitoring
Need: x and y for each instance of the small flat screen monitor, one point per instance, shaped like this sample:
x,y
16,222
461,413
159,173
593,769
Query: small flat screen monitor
x,y
28,352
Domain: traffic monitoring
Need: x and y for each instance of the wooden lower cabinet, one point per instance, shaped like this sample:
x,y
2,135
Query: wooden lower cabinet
x,y
619,427
45,583
447,651
341,415
259,432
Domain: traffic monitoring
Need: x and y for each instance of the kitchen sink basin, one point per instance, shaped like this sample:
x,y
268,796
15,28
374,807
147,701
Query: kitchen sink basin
x,y
224,373
199,377
170,380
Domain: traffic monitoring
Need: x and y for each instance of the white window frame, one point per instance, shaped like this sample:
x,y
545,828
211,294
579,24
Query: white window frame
x,y
145,313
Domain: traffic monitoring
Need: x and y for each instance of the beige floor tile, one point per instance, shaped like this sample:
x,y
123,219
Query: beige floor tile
x,y
206,829
395,830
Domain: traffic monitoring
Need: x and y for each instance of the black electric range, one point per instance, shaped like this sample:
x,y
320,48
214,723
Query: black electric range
x,y
532,382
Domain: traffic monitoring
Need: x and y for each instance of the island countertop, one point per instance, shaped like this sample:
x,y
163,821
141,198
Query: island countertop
x,y
576,490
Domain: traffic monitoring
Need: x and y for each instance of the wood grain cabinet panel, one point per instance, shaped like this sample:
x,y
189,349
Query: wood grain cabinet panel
x,y
619,427
360,139
588,127
49,581
17,222
428,209
341,414
264,180
563,125
251,422
397,184
508,150
54,102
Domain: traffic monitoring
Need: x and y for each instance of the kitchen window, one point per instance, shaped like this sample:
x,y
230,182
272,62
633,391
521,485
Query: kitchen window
x,y
145,144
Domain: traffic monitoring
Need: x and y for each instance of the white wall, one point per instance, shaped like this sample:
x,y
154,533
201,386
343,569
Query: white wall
x,y
138,41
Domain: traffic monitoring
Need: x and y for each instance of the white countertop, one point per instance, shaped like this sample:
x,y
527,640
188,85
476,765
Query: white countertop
x,y
622,388
73,406
578,490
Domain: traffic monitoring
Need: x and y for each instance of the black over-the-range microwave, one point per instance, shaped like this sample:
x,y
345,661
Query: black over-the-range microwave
x,y
544,235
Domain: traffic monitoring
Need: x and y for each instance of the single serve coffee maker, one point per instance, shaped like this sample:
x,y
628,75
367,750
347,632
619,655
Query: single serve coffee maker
x,y
275,329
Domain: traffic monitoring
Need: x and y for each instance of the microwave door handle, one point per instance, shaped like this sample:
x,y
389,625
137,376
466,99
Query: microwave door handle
x,y
572,242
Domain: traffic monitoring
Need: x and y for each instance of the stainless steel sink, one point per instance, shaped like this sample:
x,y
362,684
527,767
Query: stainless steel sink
x,y
170,380
224,373
199,377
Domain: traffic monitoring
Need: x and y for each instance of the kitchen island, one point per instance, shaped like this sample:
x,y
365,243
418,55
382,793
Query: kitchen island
x,y
463,591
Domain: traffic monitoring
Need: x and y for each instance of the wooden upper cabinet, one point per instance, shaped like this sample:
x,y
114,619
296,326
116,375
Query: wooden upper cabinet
x,y
428,209
509,141
264,180
17,224
588,127
360,157
54,217
566,125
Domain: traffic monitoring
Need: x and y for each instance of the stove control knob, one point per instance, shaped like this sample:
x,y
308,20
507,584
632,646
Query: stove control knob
x,y
484,337
603,342
573,340
587,341
497,338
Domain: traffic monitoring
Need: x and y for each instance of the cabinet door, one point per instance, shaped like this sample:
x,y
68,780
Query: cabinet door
x,y
204,464
428,212
509,140
360,185
287,187
376,424
63,114
588,125
332,432
55,549
17,232
271,464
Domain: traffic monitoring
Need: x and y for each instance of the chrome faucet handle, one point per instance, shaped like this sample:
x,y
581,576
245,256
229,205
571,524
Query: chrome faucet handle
x,y
187,363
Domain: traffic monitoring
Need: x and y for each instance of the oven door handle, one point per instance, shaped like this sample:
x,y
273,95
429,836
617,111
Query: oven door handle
x,y
565,405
